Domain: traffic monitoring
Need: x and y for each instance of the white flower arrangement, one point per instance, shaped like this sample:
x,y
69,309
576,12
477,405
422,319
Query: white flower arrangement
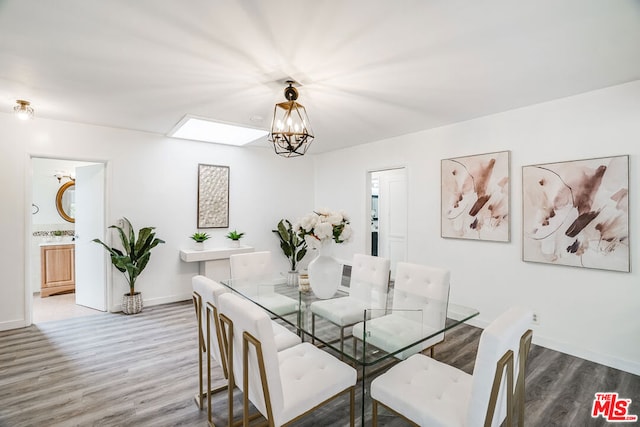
x,y
324,225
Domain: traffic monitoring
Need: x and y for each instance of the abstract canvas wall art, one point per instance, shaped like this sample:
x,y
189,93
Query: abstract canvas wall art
x,y
576,213
213,196
475,197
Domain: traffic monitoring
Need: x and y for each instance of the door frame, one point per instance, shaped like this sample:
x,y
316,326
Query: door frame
x,y
28,229
369,172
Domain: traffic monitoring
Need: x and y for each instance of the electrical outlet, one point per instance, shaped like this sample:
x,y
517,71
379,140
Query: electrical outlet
x,y
536,319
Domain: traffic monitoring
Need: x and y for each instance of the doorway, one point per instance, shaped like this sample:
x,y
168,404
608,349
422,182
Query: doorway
x,y
387,207
54,277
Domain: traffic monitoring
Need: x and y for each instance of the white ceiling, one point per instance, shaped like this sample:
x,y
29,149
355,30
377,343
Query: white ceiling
x,y
370,69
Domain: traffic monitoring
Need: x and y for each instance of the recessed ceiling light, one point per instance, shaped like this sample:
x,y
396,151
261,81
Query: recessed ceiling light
x,y
23,110
208,130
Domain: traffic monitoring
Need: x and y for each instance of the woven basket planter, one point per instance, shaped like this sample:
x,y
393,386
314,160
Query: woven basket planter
x,y
132,304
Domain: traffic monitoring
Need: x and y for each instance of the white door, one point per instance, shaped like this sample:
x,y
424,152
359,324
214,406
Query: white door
x,y
91,290
392,216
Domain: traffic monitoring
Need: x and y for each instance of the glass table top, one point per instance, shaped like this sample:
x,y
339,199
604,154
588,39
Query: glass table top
x,y
376,328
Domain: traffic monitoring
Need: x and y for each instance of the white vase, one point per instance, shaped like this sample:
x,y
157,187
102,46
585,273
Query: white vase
x,y
235,244
325,272
292,278
198,246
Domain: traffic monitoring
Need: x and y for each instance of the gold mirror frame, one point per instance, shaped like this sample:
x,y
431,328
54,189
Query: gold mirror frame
x,y
64,187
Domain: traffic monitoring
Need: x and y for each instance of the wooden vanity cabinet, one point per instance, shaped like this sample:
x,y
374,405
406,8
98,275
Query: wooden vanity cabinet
x,y
58,269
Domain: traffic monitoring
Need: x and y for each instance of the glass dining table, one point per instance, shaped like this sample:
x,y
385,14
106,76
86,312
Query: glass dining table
x,y
375,339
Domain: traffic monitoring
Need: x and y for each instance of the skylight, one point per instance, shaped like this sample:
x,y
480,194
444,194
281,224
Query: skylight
x,y
207,130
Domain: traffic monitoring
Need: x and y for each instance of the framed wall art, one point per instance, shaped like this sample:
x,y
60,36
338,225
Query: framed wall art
x,y
475,197
213,196
576,213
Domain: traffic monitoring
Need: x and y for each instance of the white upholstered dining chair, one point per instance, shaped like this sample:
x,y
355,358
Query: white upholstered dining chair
x,y
419,308
206,293
367,290
284,385
431,393
247,270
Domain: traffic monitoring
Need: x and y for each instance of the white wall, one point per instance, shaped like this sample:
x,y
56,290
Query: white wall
x,y
588,313
152,180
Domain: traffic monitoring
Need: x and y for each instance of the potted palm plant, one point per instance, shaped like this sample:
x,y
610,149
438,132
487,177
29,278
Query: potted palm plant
x,y
133,260
199,239
235,238
293,246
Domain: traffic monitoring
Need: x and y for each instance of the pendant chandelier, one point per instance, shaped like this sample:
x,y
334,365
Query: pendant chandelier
x,y
291,132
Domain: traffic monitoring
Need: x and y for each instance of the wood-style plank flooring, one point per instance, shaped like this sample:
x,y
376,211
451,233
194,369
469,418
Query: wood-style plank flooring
x,y
118,370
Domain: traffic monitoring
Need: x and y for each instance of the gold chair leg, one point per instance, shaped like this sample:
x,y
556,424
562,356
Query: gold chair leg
x,y
352,400
202,349
230,397
226,332
209,372
525,346
374,415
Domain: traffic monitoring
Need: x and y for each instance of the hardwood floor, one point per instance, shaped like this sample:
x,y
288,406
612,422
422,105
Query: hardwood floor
x,y
118,370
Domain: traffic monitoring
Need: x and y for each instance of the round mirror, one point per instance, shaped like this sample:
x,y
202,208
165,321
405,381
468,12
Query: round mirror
x,y
66,201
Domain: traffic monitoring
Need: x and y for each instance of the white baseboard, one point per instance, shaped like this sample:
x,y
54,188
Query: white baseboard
x,y
630,366
155,301
478,323
12,324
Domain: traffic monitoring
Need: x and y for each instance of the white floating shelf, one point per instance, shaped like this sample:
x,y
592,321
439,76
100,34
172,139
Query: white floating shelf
x,y
192,255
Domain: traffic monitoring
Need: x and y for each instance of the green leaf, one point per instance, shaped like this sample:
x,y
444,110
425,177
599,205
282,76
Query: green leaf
x,y
284,233
200,237
292,244
131,241
142,262
155,243
123,237
143,238
286,248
